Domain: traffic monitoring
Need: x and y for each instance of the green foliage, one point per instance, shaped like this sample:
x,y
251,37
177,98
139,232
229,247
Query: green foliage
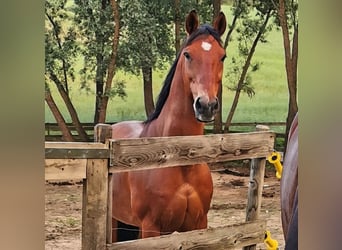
x,y
118,89
145,35
95,26
147,31
233,74
251,17
61,48
240,8
263,6
203,8
291,13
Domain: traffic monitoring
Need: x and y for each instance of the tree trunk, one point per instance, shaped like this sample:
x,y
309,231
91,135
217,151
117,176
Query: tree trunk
x,y
244,73
230,31
72,111
100,70
290,66
177,25
99,85
148,91
59,43
64,91
217,128
217,8
112,62
66,134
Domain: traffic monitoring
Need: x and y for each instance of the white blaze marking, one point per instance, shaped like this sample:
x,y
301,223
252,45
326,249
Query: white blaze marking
x,y
206,46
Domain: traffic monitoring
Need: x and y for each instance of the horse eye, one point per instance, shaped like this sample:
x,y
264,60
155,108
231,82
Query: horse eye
x,y
224,57
187,55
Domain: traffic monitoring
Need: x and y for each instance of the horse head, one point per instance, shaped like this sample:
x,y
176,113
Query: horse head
x,y
203,57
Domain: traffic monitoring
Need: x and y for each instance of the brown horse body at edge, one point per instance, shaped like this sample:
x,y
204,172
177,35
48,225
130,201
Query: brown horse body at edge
x,y
289,189
161,201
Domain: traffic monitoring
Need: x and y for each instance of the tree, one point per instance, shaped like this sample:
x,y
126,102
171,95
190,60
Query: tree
x,y
60,53
216,8
66,134
217,128
178,22
240,9
98,28
111,65
145,44
146,41
250,28
287,18
249,34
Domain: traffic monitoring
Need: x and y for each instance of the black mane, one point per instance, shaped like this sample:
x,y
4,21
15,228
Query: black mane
x,y
204,29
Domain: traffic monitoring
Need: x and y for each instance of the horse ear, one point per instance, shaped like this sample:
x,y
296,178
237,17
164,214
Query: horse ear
x,y
191,22
220,23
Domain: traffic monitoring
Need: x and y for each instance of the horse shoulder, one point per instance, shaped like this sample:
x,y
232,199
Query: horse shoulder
x,y
122,206
127,129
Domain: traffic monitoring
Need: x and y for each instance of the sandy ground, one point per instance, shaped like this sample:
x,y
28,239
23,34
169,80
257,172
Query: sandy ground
x,y
63,203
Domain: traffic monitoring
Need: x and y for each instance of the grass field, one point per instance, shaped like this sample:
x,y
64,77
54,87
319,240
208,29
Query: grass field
x,y
269,103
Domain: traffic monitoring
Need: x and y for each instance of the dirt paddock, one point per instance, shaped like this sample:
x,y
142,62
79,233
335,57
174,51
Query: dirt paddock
x,y
63,204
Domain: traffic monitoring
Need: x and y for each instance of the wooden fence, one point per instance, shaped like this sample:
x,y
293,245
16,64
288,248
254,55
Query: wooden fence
x,y
53,133
95,162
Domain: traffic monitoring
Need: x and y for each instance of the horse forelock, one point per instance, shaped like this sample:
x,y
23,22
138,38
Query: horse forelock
x,y
204,29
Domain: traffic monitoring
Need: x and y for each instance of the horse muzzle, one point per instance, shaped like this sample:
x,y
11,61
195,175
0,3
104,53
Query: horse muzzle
x,y
205,109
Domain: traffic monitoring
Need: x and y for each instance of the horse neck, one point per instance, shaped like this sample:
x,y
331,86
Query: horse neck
x,y
177,117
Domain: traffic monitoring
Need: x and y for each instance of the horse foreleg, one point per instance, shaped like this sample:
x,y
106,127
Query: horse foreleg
x,y
114,230
149,229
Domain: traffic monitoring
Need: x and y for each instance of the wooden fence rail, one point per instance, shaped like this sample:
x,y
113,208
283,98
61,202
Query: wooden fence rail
x,y
220,238
94,162
53,133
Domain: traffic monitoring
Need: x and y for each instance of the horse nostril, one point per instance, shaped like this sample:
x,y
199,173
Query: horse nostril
x,y
198,105
215,105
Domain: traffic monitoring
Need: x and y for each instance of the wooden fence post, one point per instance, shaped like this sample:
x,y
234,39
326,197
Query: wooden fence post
x,y
95,197
256,184
94,210
102,132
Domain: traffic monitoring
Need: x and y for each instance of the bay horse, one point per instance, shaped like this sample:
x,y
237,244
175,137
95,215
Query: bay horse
x,y
161,201
289,189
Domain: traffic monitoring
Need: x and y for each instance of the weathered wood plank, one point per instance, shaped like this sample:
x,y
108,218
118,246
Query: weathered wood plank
x,y
227,237
143,153
76,150
84,210
109,238
65,169
256,183
102,132
72,145
76,153
94,214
